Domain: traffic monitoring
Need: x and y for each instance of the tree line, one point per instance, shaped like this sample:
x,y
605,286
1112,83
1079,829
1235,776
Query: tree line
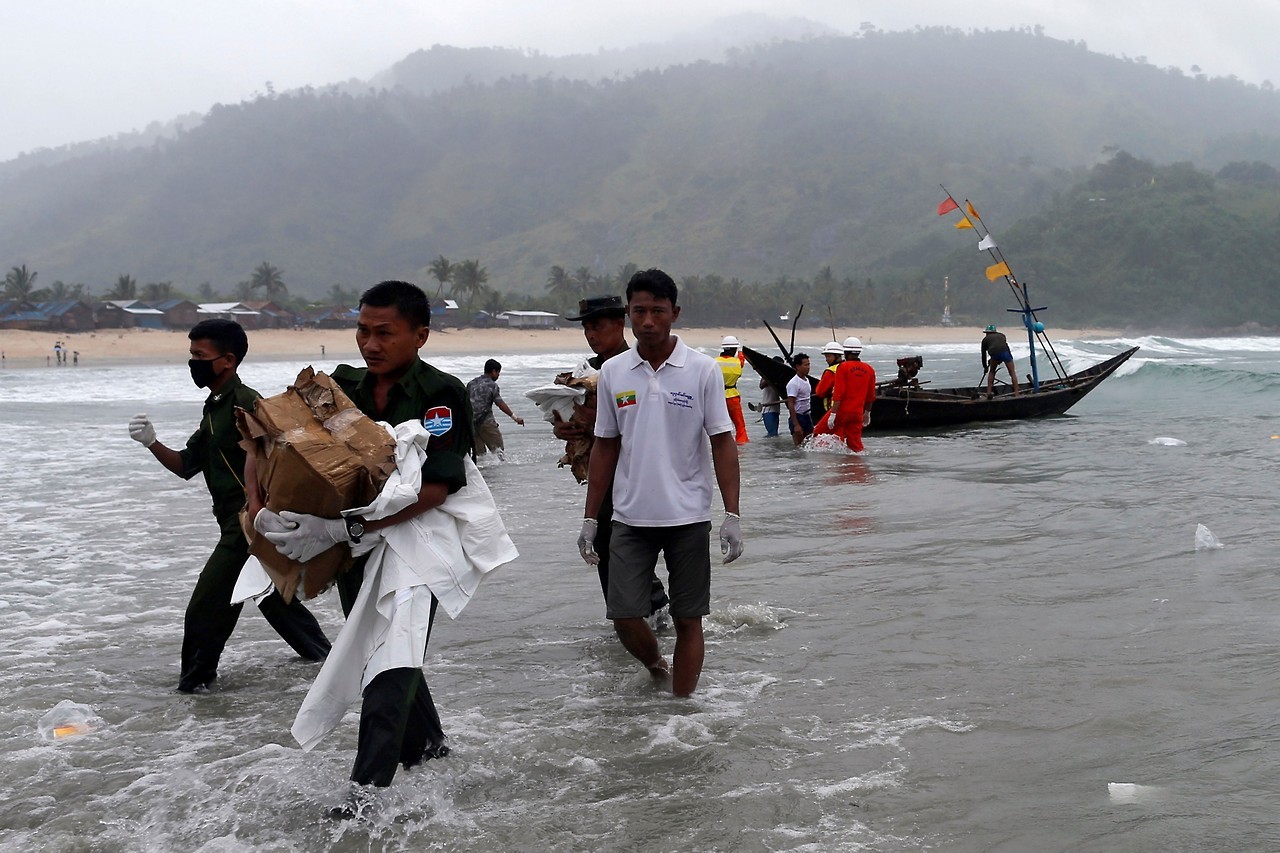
x,y
1131,244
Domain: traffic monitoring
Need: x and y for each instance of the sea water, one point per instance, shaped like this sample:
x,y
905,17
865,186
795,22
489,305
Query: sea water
x,y
995,637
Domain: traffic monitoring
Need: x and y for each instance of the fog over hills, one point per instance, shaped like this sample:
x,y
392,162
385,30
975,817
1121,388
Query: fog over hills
x,y
777,160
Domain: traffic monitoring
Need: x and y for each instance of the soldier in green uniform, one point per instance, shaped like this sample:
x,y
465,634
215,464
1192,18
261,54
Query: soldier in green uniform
x,y
217,349
399,723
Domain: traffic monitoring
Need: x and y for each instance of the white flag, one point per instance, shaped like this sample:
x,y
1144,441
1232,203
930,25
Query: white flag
x,y
987,242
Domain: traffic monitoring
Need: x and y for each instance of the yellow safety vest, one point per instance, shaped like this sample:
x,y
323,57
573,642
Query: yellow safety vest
x,y
732,370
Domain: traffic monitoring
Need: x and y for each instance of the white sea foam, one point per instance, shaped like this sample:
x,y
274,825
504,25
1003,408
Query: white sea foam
x,y
1129,793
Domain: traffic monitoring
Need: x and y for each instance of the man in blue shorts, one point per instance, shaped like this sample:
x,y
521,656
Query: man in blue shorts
x,y
657,405
995,351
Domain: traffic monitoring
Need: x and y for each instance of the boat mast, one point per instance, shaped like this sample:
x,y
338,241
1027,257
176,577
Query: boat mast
x,y
1029,320
1001,269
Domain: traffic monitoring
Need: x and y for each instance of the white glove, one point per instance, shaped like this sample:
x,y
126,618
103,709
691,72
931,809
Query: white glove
x,y
731,537
267,521
141,430
866,418
310,535
587,541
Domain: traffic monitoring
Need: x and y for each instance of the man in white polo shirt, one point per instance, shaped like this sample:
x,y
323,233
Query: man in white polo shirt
x,y
656,407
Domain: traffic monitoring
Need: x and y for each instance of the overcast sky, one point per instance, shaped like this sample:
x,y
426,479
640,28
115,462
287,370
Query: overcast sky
x,y
83,69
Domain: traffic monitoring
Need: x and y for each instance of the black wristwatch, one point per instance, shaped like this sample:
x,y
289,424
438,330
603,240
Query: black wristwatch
x,y
355,528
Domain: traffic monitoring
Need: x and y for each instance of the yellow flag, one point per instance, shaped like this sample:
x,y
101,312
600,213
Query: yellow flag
x,y
964,223
996,270
972,210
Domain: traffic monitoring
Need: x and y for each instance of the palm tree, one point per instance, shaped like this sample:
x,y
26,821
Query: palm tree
x,y
560,285
19,284
583,280
126,287
157,291
443,271
468,278
206,292
625,272
339,295
60,291
491,300
270,280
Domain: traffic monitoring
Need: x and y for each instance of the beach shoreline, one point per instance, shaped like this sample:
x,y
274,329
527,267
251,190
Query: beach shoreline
x,y
22,349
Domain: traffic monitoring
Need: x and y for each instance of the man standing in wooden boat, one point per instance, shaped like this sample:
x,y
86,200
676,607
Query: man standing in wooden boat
x,y
855,391
995,351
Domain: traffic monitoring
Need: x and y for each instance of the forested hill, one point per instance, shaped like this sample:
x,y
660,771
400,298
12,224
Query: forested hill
x,y
1139,245
781,161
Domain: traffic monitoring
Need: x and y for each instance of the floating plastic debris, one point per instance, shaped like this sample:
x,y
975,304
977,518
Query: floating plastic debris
x,y
1205,540
1127,793
1166,441
68,719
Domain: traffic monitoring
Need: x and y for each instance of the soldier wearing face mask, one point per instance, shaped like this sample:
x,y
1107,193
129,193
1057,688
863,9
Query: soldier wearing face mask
x,y
217,349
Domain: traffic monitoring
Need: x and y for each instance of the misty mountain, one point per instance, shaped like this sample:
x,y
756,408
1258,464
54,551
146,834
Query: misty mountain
x,y
442,67
780,160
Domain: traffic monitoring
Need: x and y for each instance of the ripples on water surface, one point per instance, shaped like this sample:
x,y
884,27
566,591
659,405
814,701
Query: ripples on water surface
x,y
956,641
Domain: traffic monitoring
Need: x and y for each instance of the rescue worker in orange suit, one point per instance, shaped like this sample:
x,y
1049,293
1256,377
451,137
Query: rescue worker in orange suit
x,y
855,391
826,386
730,361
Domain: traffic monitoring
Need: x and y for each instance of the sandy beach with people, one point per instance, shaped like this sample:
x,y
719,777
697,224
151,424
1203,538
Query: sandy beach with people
x,y
152,346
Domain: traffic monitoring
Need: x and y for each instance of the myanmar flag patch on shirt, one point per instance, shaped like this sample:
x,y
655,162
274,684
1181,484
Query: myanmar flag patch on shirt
x,y
625,398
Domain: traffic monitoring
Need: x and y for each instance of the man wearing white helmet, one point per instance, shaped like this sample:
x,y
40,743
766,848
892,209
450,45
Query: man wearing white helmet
x,y
855,391
833,353
730,361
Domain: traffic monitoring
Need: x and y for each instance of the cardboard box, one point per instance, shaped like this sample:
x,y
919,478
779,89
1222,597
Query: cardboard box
x,y
316,453
577,452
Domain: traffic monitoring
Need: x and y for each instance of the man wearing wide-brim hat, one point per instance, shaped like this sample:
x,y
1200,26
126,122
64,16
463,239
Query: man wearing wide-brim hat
x,y
603,321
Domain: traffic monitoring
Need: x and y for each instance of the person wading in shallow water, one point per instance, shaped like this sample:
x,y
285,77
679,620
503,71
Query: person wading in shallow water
x,y
730,362
218,347
399,723
658,404
603,321
851,398
484,394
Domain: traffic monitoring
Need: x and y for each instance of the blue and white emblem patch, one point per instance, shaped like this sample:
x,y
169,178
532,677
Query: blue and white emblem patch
x,y
438,420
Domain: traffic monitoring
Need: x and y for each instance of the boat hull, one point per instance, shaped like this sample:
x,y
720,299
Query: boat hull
x,y
899,409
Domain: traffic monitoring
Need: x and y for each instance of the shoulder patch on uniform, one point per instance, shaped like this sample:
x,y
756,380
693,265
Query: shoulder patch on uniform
x,y
438,420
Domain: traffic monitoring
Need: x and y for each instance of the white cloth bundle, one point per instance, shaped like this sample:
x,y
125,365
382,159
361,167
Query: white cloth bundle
x,y
445,551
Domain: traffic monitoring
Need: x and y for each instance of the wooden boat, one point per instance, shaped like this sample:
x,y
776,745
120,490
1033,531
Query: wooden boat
x,y
906,405
903,408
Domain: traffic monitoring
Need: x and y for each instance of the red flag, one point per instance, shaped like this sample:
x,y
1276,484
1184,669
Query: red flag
x,y
948,206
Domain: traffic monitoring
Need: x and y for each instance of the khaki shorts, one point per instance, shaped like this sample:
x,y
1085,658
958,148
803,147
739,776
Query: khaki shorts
x,y
488,437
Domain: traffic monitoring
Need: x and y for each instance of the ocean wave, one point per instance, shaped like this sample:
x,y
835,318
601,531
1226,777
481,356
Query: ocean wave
x,y
1200,377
